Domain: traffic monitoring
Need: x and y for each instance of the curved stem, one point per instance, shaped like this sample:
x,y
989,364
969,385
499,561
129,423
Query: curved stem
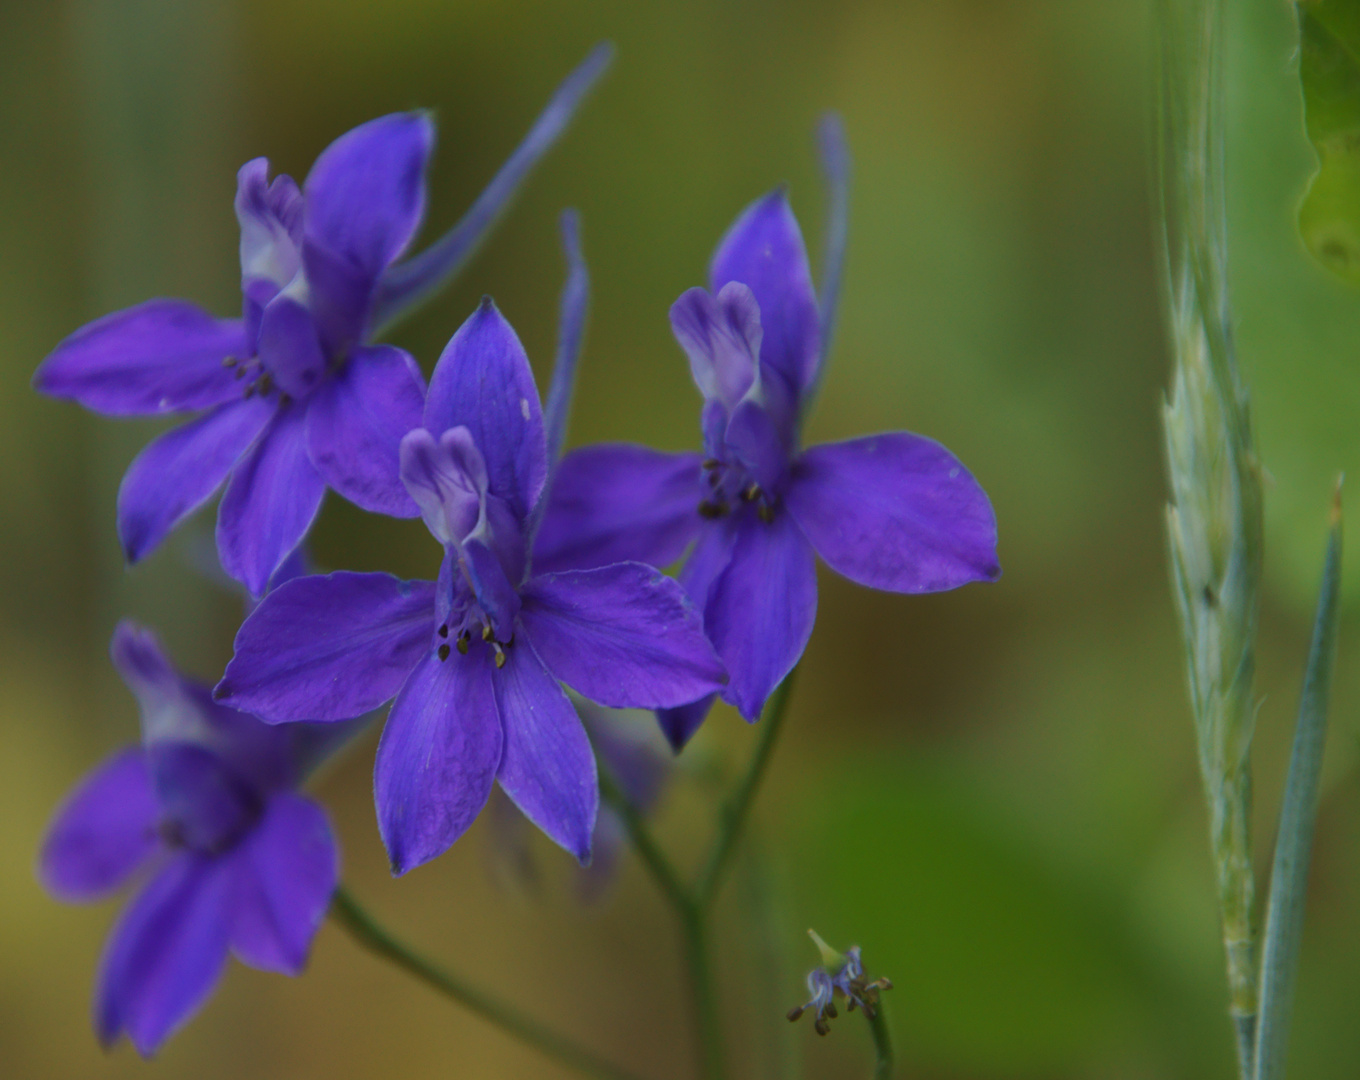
x,y
372,936
883,1051
732,815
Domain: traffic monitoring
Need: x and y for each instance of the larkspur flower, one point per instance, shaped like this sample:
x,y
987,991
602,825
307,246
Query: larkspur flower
x,y
297,397
838,974
474,658
895,511
238,860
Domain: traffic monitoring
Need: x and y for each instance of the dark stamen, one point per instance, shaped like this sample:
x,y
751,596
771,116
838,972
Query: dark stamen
x,y
487,632
444,630
752,492
710,463
229,361
709,509
462,642
766,513
443,652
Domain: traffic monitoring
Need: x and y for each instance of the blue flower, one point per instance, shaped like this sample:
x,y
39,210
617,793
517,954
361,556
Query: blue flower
x,y
297,398
237,860
895,511
838,974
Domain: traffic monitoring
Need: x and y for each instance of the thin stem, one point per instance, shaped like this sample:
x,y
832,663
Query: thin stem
x,y
653,858
883,1051
732,815
368,933
705,999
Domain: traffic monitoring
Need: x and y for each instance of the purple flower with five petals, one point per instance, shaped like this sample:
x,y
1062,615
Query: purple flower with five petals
x,y
474,658
294,396
239,861
894,511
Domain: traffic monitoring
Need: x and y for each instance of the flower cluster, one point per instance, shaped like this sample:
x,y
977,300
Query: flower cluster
x,y
547,576
838,975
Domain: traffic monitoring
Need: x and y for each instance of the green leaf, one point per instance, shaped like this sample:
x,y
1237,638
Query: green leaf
x,y
1293,846
1329,69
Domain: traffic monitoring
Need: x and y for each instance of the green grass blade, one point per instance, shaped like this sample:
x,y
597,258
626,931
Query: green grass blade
x,y
1293,846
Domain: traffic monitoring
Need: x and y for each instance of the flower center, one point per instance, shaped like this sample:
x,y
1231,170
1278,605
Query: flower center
x,y
730,487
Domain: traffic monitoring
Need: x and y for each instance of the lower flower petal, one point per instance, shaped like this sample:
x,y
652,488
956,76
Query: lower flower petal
x,y
328,647
178,472
547,768
619,503
160,356
286,871
166,952
896,512
680,724
270,503
623,635
104,830
762,608
437,757
355,424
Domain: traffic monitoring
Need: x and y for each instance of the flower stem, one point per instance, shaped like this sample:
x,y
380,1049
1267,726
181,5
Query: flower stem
x,y
883,1051
372,936
732,815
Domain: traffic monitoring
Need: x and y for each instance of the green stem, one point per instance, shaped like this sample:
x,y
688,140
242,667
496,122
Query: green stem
x,y
649,851
695,923
883,1051
368,933
732,815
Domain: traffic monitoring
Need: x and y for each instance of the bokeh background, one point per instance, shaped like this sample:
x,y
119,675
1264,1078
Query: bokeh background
x,y
992,791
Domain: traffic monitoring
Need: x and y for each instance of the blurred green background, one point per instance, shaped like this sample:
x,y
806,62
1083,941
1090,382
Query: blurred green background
x,y
993,791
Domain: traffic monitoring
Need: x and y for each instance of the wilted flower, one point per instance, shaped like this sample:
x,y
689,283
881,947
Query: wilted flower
x,y
238,860
474,658
297,397
839,974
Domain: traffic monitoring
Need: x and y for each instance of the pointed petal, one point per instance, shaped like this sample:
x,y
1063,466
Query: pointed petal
x,y
355,424
571,328
104,830
404,287
547,767
328,647
166,952
762,608
623,635
437,757
179,471
270,503
897,512
286,871
616,503
764,250
483,383
158,357
721,335
835,155
680,724
365,194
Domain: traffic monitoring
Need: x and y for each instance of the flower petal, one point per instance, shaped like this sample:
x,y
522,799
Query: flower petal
x,y
206,804
158,357
286,871
270,503
290,345
618,502
764,250
104,830
437,757
355,424
365,194
680,723
761,610
897,512
483,382
445,477
179,471
328,647
270,216
547,767
166,952
721,336
625,636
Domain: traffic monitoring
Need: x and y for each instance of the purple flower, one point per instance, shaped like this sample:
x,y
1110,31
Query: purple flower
x,y
474,658
236,859
294,397
895,511
838,974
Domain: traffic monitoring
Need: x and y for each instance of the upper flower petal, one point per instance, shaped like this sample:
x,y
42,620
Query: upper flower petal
x,y
104,830
437,757
179,471
623,635
160,356
764,250
328,647
761,609
446,478
619,502
547,767
365,194
896,512
270,503
270,216
355,424
483,382
166,952
286,871
721,335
